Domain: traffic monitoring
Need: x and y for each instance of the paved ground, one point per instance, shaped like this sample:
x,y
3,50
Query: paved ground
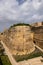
x,y
34,61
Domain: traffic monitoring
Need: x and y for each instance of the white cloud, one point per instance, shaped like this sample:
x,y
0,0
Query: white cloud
x,y
28,11
36,4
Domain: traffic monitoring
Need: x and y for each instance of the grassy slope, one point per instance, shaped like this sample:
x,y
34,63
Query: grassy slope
x,y
36,53
5,60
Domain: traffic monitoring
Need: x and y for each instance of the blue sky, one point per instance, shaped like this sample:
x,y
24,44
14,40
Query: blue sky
x,y
24,11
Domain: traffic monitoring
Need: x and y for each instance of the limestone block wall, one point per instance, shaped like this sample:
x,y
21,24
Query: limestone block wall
x,y
22,40
19,40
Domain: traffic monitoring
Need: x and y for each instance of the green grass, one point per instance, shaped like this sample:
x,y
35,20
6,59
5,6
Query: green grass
x,y
5,60
20,24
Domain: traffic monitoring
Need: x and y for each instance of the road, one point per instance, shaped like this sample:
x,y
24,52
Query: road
x,y
38,48
12,60
33,61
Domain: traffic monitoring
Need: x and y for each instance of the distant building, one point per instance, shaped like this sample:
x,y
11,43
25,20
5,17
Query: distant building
x,y
37,24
